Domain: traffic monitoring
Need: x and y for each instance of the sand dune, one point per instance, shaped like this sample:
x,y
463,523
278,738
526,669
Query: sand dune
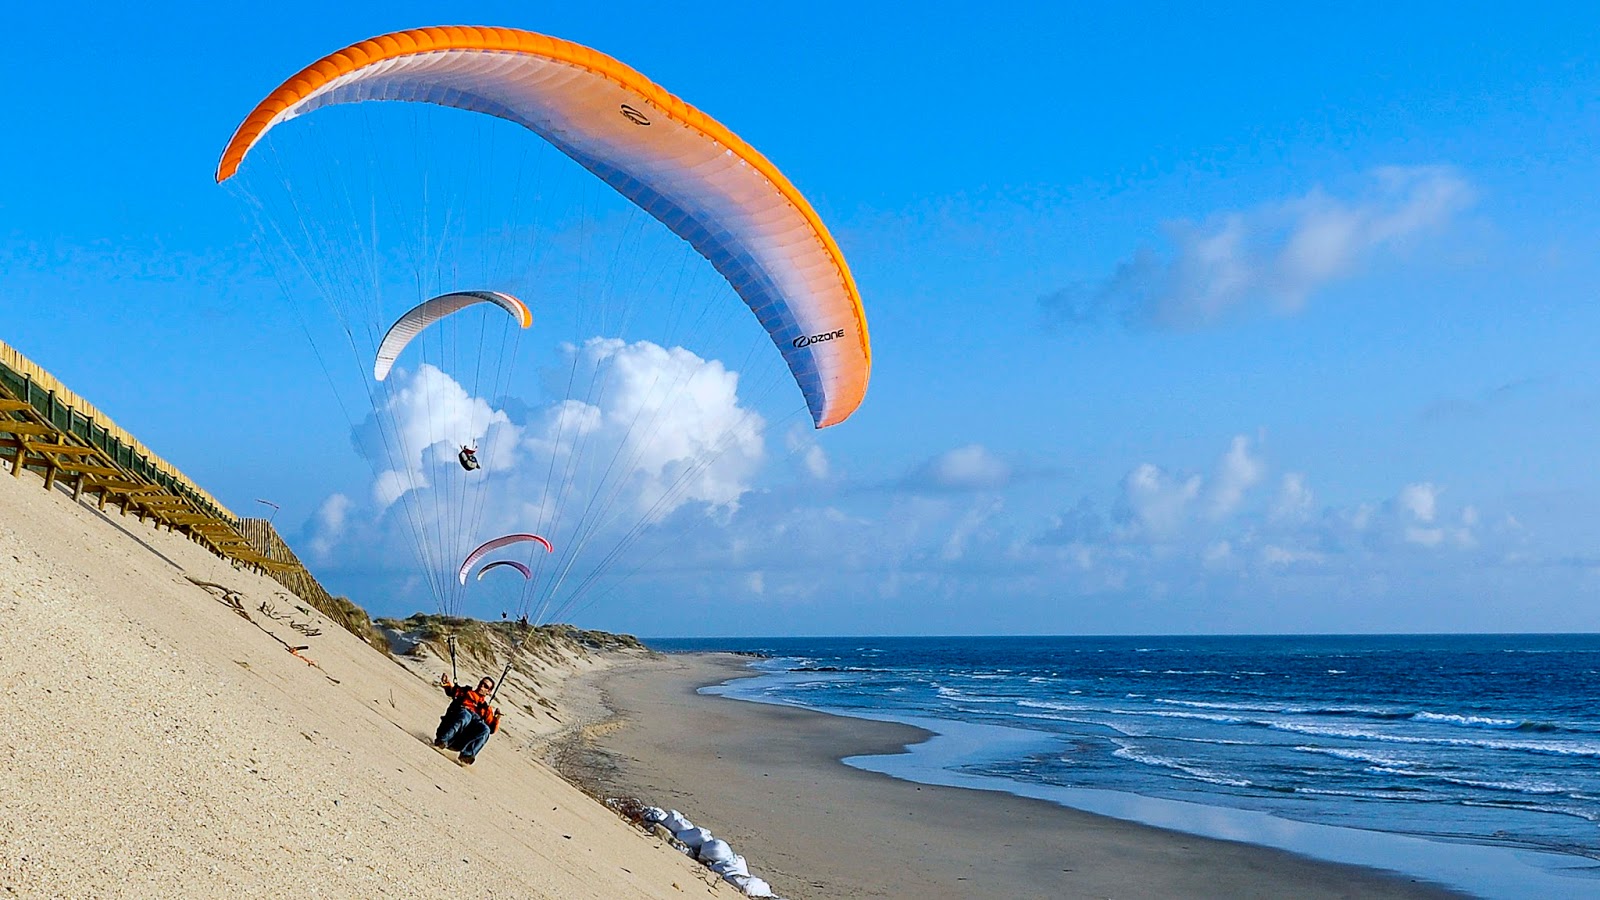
x,y
155,742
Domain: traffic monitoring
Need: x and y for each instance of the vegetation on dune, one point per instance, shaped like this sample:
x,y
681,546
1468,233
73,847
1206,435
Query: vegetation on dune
x,y
484,642
352,618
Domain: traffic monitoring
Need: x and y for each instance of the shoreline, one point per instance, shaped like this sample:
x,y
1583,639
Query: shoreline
x,y
772,781
1505,870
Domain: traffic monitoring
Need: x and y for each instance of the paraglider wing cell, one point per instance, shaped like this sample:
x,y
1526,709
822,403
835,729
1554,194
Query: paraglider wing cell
x,y
496,544
424,314
673,161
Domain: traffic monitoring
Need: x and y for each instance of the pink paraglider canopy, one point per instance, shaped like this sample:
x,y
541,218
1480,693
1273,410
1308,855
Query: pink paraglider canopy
x,y
496,544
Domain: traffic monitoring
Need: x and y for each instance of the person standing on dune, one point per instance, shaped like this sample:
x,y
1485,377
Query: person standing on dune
x,y
469,721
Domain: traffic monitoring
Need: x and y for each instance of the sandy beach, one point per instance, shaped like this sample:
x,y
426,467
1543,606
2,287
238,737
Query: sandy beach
x,y
768,779
158,742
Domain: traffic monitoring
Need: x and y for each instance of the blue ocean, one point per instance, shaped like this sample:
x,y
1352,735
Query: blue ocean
x,y
1473,760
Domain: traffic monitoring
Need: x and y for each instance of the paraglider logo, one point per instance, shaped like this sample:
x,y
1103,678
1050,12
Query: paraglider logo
x,y
806,341
634,116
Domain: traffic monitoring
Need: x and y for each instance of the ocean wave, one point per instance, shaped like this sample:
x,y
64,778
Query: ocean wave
x,y
1379,713
1174,714
1515,787
1046,717
1574,748
1404,773
1144,713
1492,722
1059,707
1473,721
1404,794
1365,756
1373,712
1365,712
1130,752
950,693
1585,814
1213,704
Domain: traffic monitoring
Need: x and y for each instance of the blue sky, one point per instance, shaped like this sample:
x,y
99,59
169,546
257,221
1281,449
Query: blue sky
x,y
1249,320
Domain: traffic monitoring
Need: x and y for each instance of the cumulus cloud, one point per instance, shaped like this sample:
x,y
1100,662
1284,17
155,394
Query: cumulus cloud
x,y
1416,505
969,468
1237,472
972,523
1271,258
327,526
1156,502
1419,520
1293,501
423,420
672,419
1421,501
1276,556
812,459
658,432
1082,524
1214,523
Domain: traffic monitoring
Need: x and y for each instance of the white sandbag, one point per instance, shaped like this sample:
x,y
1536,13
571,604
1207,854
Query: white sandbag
x,y
751,885
693,837
715,850
653,814
735,865
676,821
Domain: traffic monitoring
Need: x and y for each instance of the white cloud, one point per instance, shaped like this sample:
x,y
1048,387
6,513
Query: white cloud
x,y
1273,555
1273,257
1237,472
969,468
327,526
1427,537
671,420
1421,501
813,460
658,431
424,420
972,523
1167,520
1158,502
1293,501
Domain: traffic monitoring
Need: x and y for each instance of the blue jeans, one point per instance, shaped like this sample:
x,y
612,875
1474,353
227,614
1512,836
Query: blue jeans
x,y
462,730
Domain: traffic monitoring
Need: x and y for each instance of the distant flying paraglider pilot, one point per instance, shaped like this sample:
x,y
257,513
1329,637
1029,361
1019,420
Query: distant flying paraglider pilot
x,y
467,724
468,458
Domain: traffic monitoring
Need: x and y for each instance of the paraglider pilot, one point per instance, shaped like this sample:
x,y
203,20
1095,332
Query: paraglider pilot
x,y
467,724
468,458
